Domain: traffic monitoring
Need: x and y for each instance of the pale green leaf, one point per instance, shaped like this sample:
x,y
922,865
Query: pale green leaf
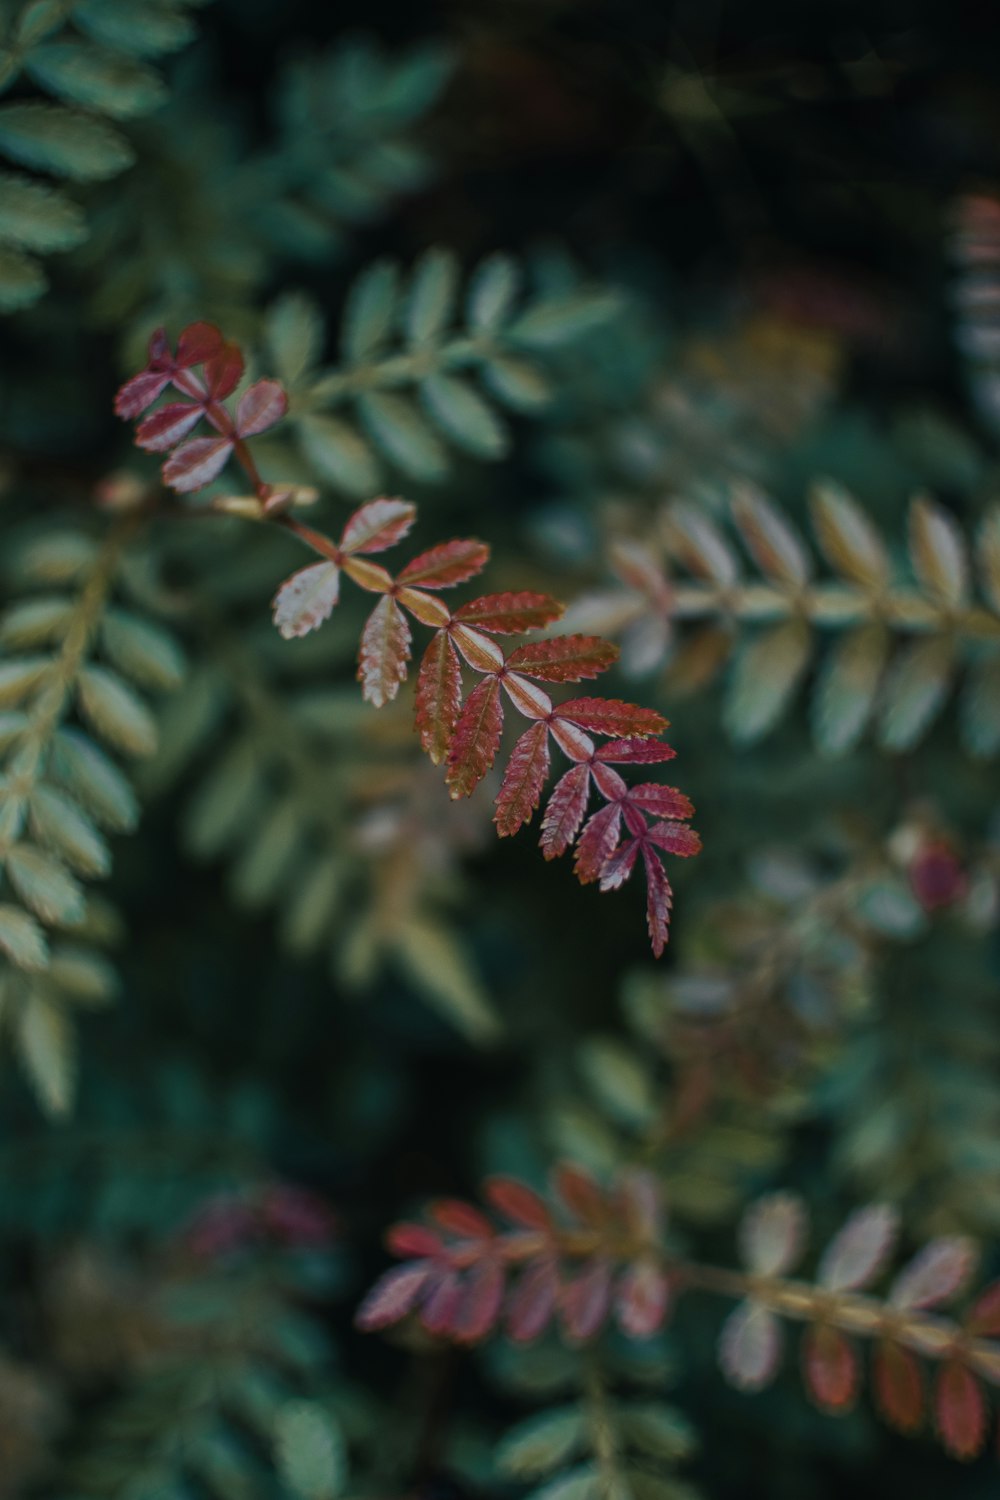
x,y
370,311
561,321
82,73
45,886
980,709
493,290
309,1450
338,453
18,678
270,855
764,678
115,712
431,299
516,383
65,142
915,692
542,1443
45,1042
21,938
59,824
93,779
141,650
433,959
847,687
85,977
35,622
396,427
463,416
294,332
22,280
37,217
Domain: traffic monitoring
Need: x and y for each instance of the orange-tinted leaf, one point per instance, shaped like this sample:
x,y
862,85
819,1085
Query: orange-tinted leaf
x,y
384,652
612,716
521,1204
750,1346
393,1296
899,1386
196,463
565,811
378,525
597,842
855,1255
476,738
566,658
439,696
306,599
936,1275
510,614
449,563
830,1367
960,1411
523,780
659,901
260,406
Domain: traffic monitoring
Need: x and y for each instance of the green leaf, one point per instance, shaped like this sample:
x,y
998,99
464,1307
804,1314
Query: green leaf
x,y
58,557
45,1041
84,74
493,290
12,726
82,975
517,383
542,1443
981,709
396,427
144,28
312,903
228,797
37,217
62,141
22,939
58,823
294,332
115,712
93,779
309,1451
847,688
915,692
370,311
557,323
18,678
22,280
35,622
436,964
462,415
431,299
141,650
45,886
270,855
658,1430
620,1080
338,453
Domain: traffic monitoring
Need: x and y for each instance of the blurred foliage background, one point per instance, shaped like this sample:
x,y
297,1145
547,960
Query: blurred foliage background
x,y
262,987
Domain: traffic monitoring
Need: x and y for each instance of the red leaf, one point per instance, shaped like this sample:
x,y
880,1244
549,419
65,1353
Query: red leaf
x,y
565,811
619,866
197,343
480,1309
750,1346
855,1255
523,780
414,1241
771,1234
306,599
597,842
566,658
936,1275
533,1301
643,1299
984,1319
378,525
581,1195
660,801
260,406
635,752
461,1219
393,1296
139,392
675,838
384,652
830,1367
476,738
520,1204
612,716
510,614
899,1386
960,1411
440,1311
449,563
196,463
222,371
586,1300
164,428
439,696
659,900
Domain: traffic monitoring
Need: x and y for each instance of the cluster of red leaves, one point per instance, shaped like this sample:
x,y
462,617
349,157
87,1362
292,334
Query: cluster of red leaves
x,y
635,823
594,1253
278,1215
599,1252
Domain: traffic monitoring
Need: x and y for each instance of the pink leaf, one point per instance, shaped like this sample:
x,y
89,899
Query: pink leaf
x,y
750,1346
510,614
899,1386
830,1367
393,1296
378,525
643,1299
531,1304
612,716
523,780
439,696
480,1309
260,406
440,1311
164,428
196,463
384,652
675,838
660,801
855,1255
521,1204
960,1410
565,811
414,1241
586,1300
476,739
597,842
659,901
306,599
139,392
449,563
772,1234
619,866
566,658
635,752
937,1274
